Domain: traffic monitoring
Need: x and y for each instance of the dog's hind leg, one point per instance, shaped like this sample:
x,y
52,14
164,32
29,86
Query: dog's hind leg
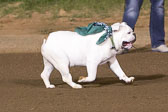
x,y
48,68
63,68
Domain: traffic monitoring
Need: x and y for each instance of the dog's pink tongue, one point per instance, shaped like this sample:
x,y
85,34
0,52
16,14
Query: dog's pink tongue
x,y
128,46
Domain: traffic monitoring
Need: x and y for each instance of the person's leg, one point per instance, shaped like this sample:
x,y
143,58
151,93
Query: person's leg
x,y
157,33
131,12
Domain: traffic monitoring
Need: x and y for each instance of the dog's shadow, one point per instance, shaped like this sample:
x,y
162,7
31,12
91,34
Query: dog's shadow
x,y
139,80
28,82
99,82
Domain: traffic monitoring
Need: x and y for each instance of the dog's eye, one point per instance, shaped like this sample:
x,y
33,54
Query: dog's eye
x,y
129,32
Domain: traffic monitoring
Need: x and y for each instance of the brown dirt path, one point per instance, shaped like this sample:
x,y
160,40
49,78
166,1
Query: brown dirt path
x,y
22,90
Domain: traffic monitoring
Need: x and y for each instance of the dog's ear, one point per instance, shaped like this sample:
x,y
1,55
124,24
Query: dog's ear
x,y
115,27
124,23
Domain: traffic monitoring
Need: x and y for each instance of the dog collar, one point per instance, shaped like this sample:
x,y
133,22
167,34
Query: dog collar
x,y
112,42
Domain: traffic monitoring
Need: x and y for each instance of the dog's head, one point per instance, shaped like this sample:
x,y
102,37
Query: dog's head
x,y
123,36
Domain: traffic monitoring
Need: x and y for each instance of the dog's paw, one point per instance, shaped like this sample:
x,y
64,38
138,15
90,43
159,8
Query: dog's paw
x,y
81,79
77,86
129,80
50,86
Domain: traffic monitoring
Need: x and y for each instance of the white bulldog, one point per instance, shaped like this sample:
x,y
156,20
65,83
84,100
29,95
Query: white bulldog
x,y
65,48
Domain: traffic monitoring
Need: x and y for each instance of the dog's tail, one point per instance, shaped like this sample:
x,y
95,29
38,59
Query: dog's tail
x,y
43,45
44,41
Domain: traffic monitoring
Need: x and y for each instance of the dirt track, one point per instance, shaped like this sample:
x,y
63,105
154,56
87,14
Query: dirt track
x,y
22,90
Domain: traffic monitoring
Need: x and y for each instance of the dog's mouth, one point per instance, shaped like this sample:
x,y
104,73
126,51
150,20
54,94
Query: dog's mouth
x,y
127,45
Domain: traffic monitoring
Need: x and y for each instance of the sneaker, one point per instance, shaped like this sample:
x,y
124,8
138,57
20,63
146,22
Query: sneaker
x,y
161,48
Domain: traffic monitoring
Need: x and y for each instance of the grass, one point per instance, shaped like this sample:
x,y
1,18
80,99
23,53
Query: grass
x,y
74,8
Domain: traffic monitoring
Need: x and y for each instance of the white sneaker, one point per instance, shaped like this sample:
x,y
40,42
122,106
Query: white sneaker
x,y
162,48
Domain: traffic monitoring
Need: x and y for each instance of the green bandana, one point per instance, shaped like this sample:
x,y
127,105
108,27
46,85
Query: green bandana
x,y
96,27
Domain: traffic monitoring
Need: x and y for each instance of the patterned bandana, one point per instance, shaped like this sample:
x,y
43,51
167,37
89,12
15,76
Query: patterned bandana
x,y
96,27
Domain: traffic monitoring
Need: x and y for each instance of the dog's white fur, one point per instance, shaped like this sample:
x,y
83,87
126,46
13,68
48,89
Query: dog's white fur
x,y
65,48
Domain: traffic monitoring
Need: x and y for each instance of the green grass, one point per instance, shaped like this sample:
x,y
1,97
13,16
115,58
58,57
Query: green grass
x,y
83,8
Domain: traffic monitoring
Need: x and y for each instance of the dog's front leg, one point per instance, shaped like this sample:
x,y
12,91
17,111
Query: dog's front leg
x,y
92,70
115,67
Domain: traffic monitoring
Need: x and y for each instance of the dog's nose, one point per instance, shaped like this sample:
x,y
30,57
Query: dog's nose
x,y
134,35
